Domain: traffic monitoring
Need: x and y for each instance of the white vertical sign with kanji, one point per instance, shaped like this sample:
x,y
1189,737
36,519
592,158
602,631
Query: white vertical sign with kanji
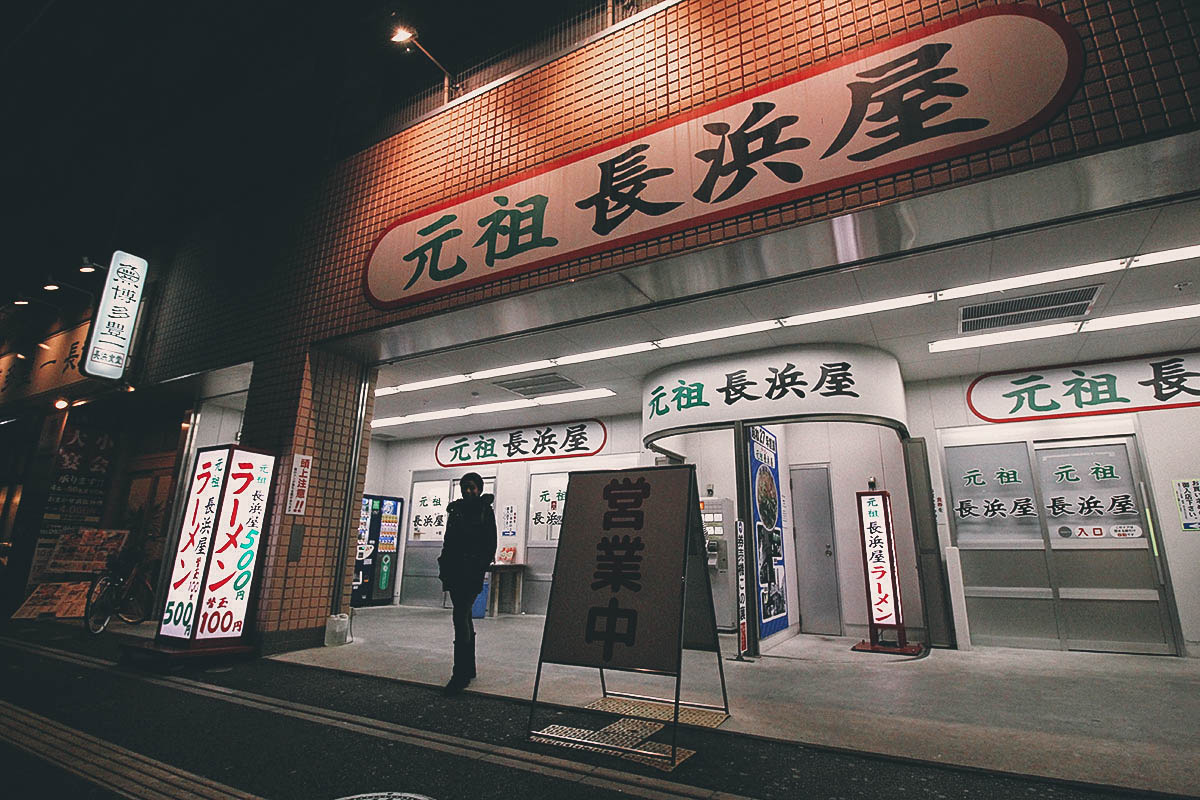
x,y
875,520
298,486
111,337
199,519
237,539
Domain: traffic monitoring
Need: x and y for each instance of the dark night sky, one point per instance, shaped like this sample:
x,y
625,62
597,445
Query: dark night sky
x,y
124,119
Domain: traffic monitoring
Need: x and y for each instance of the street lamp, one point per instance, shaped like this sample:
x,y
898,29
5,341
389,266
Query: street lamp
x,y
408,36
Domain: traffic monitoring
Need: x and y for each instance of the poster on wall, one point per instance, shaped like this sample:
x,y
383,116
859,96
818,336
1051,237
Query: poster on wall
x,y
77,489
1187,500
768,537
427,521
547,500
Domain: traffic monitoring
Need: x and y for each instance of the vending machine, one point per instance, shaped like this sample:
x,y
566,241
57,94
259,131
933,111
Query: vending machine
x,y
375,562
720,525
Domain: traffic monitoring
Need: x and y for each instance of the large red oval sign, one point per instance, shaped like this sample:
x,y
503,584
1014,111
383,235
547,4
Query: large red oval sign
x,y
966,84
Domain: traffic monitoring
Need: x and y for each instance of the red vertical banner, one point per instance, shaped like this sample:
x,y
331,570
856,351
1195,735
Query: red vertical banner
x,y
884,609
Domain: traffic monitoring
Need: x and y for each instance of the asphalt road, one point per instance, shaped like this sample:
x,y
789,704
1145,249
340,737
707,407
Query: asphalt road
x,y
277,730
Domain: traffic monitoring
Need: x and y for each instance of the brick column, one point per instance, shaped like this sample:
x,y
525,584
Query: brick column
x,y
308,403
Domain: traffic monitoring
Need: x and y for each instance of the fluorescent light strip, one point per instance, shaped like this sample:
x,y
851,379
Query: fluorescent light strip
x,y
609,352
513,369
861,308
1003,337
429,384
488,408
571,397
1140,318
719,333
1165,256
1034,279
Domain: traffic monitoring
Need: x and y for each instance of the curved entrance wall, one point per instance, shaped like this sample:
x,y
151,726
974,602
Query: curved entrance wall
x,y
846,382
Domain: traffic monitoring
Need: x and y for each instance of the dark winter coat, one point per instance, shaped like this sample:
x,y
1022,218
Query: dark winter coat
x,y
470,543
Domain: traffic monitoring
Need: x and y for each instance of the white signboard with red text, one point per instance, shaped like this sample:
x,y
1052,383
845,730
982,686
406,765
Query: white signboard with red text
x,y
217,557
918,98
879,566
236,543
195,536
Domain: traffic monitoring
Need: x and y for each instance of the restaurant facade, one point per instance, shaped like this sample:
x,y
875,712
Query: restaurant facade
x,y
944,251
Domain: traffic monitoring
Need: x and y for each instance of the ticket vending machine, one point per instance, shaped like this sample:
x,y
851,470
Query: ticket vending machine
x,y
719,516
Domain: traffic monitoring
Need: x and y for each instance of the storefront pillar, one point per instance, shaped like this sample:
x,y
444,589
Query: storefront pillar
x,y
317,404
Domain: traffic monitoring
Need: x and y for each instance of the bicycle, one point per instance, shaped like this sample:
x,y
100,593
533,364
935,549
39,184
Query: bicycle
x,y
129,596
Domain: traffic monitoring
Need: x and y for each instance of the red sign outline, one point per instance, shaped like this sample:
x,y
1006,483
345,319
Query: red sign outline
x,y
603,442
1066,415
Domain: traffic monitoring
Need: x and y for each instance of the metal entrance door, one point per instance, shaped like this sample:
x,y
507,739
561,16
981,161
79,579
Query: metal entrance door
x,y
1058,546
816,558
1108,583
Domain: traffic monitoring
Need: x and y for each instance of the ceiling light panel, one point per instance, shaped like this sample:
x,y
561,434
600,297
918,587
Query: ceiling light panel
x,y
1004,337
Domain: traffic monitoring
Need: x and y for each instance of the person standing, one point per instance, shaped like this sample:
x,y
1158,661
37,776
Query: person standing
x,y
467,552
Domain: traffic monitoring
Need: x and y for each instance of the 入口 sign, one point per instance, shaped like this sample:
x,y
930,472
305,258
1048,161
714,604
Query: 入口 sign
x,y
941,91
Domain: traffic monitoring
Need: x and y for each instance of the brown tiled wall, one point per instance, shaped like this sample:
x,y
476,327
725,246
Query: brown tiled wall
x,y
296,596
303,249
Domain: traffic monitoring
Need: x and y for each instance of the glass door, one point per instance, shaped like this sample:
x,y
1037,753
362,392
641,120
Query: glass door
x,y
1103,558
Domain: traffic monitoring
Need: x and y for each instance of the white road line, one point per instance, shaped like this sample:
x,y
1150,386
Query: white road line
x,y
550,766
115,768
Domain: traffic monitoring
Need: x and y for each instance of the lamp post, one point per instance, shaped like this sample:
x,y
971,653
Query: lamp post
x,y
407,36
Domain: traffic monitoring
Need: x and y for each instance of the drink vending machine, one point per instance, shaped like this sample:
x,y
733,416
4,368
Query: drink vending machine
x,y
375,563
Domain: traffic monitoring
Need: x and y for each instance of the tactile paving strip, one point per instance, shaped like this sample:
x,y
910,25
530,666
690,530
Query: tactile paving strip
x,y
624,733
700,717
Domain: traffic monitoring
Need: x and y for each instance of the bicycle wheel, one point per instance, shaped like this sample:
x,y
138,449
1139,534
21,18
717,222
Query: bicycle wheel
x,y
135,605
99,608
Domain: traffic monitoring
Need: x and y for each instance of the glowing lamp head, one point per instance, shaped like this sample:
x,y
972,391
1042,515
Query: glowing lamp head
x,y
402,35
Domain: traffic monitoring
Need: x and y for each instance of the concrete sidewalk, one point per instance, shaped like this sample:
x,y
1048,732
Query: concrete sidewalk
x,y
1122,720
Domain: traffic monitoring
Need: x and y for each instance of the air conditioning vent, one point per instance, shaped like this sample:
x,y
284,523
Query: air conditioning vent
x,y
538,385
1037,308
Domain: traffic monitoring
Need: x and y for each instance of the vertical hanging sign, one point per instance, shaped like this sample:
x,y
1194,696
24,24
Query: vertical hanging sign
x,y
195,534
764,482
111,337
237,539
879,564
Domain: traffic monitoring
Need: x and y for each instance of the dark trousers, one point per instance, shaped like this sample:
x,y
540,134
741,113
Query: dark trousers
x,y
464,632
